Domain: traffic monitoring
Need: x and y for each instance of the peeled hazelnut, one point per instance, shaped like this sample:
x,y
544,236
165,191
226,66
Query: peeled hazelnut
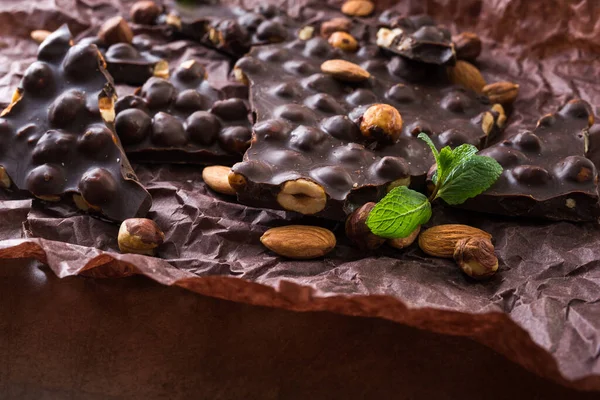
x,y
402,243
475,256
381,122
467,46
335,25
358,231
344,41
140,236
115,30
144,12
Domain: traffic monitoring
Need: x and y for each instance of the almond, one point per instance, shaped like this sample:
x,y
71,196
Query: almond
x,y
345,71
299,241
504,93
467,75
358,8
440,241
39,35
217,178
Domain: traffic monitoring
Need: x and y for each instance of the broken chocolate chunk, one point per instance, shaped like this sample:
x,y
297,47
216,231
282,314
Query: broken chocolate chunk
x,y
317,150
418,38
183,120
57,135
547,173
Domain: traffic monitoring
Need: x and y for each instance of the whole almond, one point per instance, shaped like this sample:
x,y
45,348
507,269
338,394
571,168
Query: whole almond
x,y
467,46
344,70
467,75
339,24
440,241
358,8
503,92
217,178
300,242
39,35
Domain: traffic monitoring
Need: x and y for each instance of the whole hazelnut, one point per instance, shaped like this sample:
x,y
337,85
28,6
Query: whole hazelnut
x,y
402,243
144,12
381,122
475,256
140,236
115,30
467,46
357,230
343,41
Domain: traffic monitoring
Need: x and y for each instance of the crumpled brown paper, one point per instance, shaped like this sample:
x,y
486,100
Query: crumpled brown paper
x,y
541,310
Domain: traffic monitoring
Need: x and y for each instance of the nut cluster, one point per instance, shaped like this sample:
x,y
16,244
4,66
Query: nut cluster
x,y
471,248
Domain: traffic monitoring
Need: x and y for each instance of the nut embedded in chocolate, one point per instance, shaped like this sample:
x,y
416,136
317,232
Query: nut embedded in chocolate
x,y
144,12
467,46
357,230
475,256
467,75
358,8
504,93
344,41
303,196
339,24
217,178
381,122
115,30
345,71
140,236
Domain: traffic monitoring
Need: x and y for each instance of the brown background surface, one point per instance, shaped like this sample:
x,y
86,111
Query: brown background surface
x,y
83,338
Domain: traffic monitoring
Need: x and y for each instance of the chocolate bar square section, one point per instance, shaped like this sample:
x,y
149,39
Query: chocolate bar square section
x,y
183,120
232,30
130,66
546,171
55,142
418,38
307,127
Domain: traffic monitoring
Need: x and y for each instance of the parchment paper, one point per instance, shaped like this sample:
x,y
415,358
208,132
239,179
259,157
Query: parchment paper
x,y
541,310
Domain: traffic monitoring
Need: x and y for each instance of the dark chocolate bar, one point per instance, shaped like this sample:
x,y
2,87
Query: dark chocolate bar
x,y
183,120
308,153
232,30
55,142
418,38
546,171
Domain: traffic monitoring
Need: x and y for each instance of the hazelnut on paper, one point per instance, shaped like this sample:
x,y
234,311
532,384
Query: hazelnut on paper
x,y
476,257
140,236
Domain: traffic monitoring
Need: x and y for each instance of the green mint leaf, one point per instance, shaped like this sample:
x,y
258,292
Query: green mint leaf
x,y
468,178
444,164
399,213
423,136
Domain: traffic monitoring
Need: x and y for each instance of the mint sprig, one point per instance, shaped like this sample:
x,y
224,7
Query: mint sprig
x,y
460,174
399,213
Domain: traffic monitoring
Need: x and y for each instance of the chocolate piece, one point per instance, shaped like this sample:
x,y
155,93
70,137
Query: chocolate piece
x,y
55,142
308,127
128,65
546,171
232,30
418,38
183,120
